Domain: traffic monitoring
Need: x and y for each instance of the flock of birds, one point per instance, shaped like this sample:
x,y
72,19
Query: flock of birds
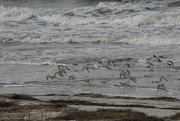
x,y
124,73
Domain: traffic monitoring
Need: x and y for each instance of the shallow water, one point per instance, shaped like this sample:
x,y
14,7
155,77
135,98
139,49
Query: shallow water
x,y
37,36
29,76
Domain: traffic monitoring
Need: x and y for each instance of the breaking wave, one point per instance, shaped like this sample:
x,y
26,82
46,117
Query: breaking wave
x,y
14,14
139,39
26,62
94,15
137,20
158,20
107,22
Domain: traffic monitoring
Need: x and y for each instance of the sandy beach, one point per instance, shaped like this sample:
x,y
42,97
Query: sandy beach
x,y
87,107
97,94
89,60
107,92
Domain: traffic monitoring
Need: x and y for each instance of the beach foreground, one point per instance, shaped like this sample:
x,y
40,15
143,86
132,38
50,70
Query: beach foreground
x,y
89,60
87,107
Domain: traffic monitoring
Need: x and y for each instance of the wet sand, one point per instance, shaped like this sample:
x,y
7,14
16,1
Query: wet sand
x,y
98,81
151,93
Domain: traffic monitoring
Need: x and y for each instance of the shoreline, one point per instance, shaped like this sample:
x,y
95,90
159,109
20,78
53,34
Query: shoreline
x,y
100,81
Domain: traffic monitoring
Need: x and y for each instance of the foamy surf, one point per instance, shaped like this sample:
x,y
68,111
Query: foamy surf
x,y
137,20
14,14
13,85
155,38
86,15
151,19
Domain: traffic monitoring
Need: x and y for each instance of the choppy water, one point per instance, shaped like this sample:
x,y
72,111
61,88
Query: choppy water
x,y
36,36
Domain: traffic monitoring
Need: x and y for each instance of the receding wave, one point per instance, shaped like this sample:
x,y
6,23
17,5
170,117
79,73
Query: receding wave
x,y
139,39
14,14
26,62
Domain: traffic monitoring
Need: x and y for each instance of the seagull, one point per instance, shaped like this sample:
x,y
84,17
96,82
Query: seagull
x,y
127,65
59,73
150,65
49,76
72,77
163,78
111,62
87,68
133,79
125,84
161,87
170,63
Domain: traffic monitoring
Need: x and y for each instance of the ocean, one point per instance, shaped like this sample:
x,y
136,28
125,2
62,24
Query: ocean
x,y
95,40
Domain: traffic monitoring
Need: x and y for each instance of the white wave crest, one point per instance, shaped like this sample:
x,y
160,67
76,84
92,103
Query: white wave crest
x,y
158,20
63,39
120,6
153,38
67,20
80,16
166,18
14,14
25,62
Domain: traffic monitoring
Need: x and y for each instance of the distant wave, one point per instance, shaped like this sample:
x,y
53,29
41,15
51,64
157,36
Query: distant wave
x,y
117,13
107,22
92,15
14,14
137,20
139,39
49,4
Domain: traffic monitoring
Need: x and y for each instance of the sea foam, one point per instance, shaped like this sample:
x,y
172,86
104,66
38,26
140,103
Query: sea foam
x,y
151,19
116,13
153,38
14,14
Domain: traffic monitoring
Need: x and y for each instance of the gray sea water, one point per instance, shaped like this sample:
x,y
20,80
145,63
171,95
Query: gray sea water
x,y
38,35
